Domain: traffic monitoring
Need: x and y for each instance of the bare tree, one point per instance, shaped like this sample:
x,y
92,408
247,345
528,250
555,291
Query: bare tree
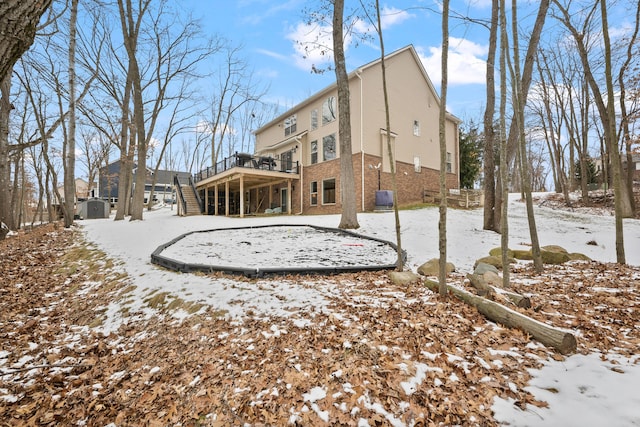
x,y
131,21
349,217
442,222
518,101
69,147
489,130
504,176
19,21
236,89
606,110
392,161
95,149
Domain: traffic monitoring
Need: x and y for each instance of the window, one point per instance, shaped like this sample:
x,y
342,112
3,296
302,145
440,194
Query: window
x,y
314,193
328,191
416,128
329,147
449,165
328,110
290,125
314,119
314,152
416,164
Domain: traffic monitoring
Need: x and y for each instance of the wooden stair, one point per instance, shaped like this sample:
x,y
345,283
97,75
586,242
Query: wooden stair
x,y
193,208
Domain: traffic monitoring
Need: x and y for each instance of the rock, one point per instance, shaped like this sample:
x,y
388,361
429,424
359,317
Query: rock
x,y
554,248
523,254
482,268
403,277
497,252
493,278
431,267
576,256
553,254
4,230
492,260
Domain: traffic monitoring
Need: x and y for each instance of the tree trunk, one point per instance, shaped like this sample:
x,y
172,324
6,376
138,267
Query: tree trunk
x,y
489,132
69,160
6,215
478,282
519,99
564,342
18,21
503,201
392,160
349,218
442,210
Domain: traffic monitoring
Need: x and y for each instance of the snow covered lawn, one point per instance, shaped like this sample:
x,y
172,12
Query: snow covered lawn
x,y
109,338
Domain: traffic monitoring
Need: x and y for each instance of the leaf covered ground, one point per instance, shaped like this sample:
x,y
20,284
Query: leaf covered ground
x,y
378,354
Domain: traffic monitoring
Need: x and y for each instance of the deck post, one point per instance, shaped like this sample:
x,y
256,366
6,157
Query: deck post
x,y
289,198
206,200
215,200
226,198
242,196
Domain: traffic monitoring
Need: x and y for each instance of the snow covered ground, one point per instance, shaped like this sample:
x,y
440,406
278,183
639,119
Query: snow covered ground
x,y
580,390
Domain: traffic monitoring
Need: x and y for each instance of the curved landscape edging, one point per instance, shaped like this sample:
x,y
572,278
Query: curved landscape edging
x,y
185,267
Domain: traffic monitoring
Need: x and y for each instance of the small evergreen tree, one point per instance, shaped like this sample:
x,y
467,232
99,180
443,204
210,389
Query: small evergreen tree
x,y
471,145
592,173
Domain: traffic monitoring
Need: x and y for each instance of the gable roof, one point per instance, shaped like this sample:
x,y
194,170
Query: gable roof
x,y
354,74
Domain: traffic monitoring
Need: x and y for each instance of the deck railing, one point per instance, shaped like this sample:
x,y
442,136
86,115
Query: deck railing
x,y
244,160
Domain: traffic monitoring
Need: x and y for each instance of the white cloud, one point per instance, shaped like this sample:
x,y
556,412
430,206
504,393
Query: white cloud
x,y
313,44
390,16
466,63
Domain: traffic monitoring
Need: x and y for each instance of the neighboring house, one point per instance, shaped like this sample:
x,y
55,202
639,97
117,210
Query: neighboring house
x,y
83,190
108,180
635,165
296,164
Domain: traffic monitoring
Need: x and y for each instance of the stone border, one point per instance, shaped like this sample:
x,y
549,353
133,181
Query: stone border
x,y
183,267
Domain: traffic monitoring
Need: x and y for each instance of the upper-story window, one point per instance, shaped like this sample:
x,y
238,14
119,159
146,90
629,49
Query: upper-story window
x,y
290,125
416,128
314,152
449,164
329,110
314,119
329,147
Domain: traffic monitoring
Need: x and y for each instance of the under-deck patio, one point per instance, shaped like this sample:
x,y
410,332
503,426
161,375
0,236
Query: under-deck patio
x,y
244,184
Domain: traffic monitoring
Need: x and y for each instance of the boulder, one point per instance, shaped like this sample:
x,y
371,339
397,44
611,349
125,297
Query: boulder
x,y
431,267
554,248
492,279
553,254
497,252
482,268
576,256
492,260
523,254
403,277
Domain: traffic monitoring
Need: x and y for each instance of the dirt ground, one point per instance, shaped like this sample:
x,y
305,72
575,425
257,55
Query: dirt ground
x,y
355,360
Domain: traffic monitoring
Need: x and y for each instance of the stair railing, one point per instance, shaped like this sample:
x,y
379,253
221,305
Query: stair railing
x,y
182,201
195,191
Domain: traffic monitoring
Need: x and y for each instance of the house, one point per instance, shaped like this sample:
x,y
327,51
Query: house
x,y
108,181
83,190
296,164
635,165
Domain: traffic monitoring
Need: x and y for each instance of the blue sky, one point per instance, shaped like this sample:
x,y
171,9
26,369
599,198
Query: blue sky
x,y
271,31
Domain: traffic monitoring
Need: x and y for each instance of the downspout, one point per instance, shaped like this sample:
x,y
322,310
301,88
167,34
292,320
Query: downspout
x,y
300,171
359,75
